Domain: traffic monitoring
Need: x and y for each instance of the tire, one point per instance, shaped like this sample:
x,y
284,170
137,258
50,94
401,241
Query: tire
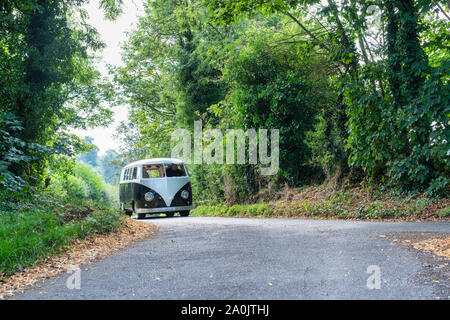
x,y
140,216
184,213
128,212
170,214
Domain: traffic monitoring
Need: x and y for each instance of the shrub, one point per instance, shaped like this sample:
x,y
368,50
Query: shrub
x,y
444,212
93,181
235,210
80,182
263,209
111,195
76,188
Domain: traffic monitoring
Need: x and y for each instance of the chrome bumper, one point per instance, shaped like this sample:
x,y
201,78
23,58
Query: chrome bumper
x,y
163,209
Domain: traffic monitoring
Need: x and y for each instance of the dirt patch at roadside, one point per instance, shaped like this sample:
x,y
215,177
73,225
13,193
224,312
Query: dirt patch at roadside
x,y
433,250
77,213
78,254
441,247
437,243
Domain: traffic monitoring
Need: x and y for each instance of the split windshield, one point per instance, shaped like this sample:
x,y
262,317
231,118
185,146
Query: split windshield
x,y
161,171
152,171
175,170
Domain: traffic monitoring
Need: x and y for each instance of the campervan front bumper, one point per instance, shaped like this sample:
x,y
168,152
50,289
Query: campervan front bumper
x,y
163,209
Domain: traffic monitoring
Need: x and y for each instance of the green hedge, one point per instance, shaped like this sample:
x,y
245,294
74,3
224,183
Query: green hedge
x,y
249,210
342,206
84,183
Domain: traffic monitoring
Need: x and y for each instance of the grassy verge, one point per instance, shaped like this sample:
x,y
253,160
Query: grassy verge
x,y
29,237
320,202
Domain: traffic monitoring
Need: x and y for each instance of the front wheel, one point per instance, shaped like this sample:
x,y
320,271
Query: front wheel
x,y
184,213
128,212
140,216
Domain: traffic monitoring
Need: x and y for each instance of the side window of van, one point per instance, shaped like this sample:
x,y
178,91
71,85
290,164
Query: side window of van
x,y
134,173
126,176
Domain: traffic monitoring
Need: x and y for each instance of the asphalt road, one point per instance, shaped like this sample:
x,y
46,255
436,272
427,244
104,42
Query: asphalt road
x,y
239,258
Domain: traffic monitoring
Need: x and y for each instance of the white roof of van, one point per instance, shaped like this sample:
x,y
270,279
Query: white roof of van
x,y
154,161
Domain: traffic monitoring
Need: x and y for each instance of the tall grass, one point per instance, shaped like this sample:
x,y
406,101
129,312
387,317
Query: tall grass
x,y
76,204
26,238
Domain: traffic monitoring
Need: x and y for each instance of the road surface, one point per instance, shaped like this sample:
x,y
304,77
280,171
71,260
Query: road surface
x,y
240,258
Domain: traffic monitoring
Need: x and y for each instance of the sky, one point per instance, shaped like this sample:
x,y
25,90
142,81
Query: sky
x,y
113,34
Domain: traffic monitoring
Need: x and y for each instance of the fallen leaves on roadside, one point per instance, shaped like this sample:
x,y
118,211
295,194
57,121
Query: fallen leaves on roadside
x,y
79,253
435,242
441,247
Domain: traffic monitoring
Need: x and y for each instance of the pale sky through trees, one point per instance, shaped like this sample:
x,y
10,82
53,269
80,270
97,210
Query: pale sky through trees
x,y
113,33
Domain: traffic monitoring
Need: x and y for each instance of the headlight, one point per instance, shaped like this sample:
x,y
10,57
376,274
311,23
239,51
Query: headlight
x,y
149,196
185,194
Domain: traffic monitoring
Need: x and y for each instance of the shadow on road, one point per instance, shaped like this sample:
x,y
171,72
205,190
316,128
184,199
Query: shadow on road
x,y
161,217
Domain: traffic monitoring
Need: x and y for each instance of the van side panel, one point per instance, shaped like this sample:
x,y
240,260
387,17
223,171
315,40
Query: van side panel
x,y
127,188
125,195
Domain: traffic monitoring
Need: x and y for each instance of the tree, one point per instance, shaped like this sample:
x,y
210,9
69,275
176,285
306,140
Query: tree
x,y
352,95
90,157
48,81
108,170
392,105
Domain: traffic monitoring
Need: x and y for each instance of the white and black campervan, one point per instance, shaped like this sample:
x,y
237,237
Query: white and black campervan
x,y
155,186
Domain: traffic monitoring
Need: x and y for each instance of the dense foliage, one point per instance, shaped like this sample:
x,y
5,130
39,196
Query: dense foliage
x,y
48,86
357,89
